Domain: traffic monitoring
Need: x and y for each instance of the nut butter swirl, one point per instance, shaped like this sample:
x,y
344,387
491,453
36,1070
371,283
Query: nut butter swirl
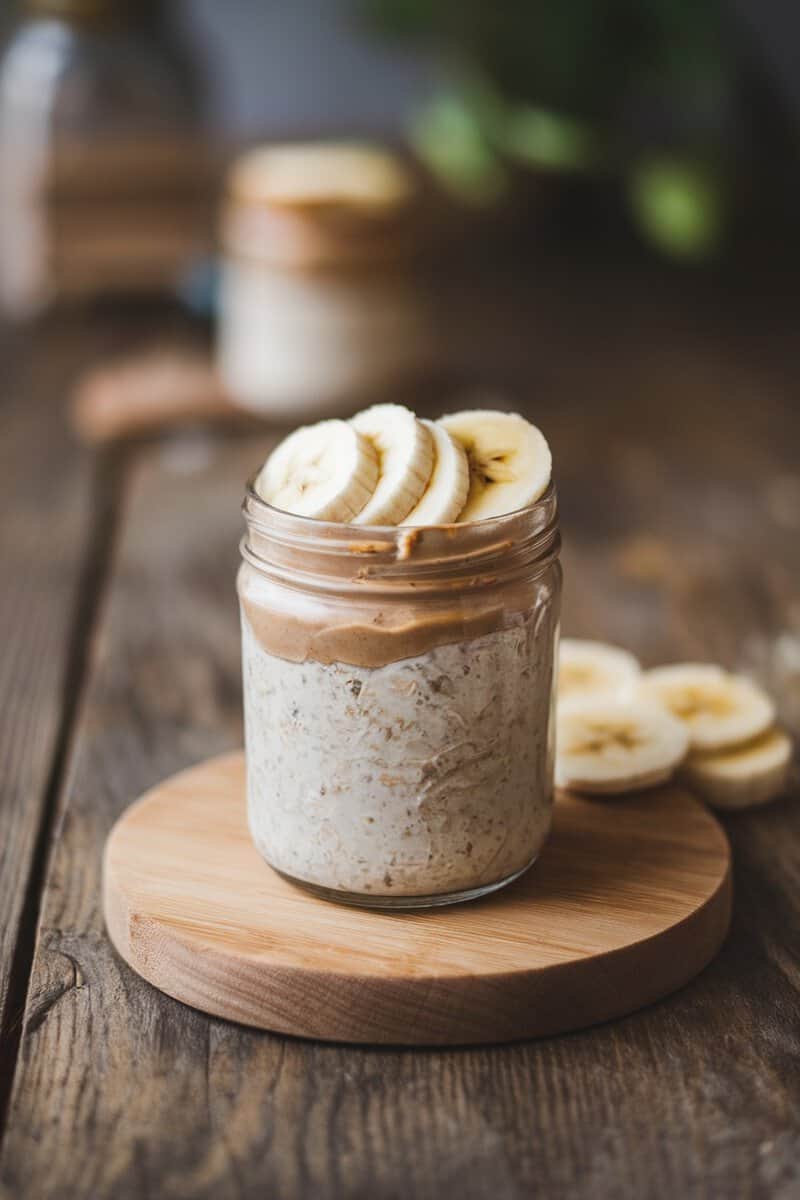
x,y
311,590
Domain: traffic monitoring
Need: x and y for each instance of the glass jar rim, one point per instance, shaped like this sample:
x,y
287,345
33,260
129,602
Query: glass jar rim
x,y
490,550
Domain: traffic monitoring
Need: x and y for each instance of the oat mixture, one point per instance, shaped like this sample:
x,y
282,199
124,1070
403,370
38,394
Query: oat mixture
x,y
424,776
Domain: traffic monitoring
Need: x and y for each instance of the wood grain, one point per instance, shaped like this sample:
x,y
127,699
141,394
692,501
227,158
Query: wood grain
x,y
672,405
46,486
627,902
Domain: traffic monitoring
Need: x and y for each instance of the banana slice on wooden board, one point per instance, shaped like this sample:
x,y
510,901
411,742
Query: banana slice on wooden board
x,y
718,708
742,776
406,452
328,471
509,461
587,668
612,747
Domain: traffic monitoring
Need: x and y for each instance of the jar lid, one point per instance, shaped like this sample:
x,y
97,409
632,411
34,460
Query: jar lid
x,y
358,176
322,203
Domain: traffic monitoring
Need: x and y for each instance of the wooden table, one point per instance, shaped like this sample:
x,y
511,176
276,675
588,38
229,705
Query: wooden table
x,y
672,406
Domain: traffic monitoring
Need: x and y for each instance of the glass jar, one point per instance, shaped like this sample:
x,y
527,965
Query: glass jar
x,y
105,179
399,701
320,298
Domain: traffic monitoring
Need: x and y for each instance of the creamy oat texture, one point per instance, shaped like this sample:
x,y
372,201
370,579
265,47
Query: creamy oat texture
x,y
425,776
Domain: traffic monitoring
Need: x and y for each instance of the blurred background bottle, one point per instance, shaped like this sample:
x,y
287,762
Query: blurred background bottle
x,y
105,174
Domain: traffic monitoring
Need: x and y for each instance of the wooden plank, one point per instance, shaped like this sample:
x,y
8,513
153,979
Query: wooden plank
x,y
45,520
58,507
675,437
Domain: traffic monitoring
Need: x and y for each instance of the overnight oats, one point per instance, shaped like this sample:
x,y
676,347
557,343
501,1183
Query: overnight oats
x,y
399,670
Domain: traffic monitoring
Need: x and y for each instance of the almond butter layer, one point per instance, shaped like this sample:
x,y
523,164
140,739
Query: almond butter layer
x,y
366,636
310,591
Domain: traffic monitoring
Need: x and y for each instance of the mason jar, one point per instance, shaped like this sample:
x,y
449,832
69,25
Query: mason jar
x,y
321,300
399,701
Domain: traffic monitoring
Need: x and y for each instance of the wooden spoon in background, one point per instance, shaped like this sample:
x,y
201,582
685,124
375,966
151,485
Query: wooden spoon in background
x,y
150,391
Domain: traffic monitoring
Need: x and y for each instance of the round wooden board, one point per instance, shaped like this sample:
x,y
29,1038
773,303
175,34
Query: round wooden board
x,y
630,899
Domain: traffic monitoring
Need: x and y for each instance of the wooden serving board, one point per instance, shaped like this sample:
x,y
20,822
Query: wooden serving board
x,y
630,899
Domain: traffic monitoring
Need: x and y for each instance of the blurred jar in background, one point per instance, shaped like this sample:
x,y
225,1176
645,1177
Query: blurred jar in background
x,y
321,301
105,182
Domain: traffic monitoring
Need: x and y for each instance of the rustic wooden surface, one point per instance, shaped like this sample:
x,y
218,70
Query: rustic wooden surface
x,y
672,407
628,902
48,578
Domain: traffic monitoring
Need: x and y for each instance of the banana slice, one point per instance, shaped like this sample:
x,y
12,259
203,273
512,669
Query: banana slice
x,y
509,460
742,776
446,493
588,668
617,746
405,455
328,471
718,708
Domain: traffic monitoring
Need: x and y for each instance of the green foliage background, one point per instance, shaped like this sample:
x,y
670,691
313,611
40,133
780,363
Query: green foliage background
x,y
643,89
